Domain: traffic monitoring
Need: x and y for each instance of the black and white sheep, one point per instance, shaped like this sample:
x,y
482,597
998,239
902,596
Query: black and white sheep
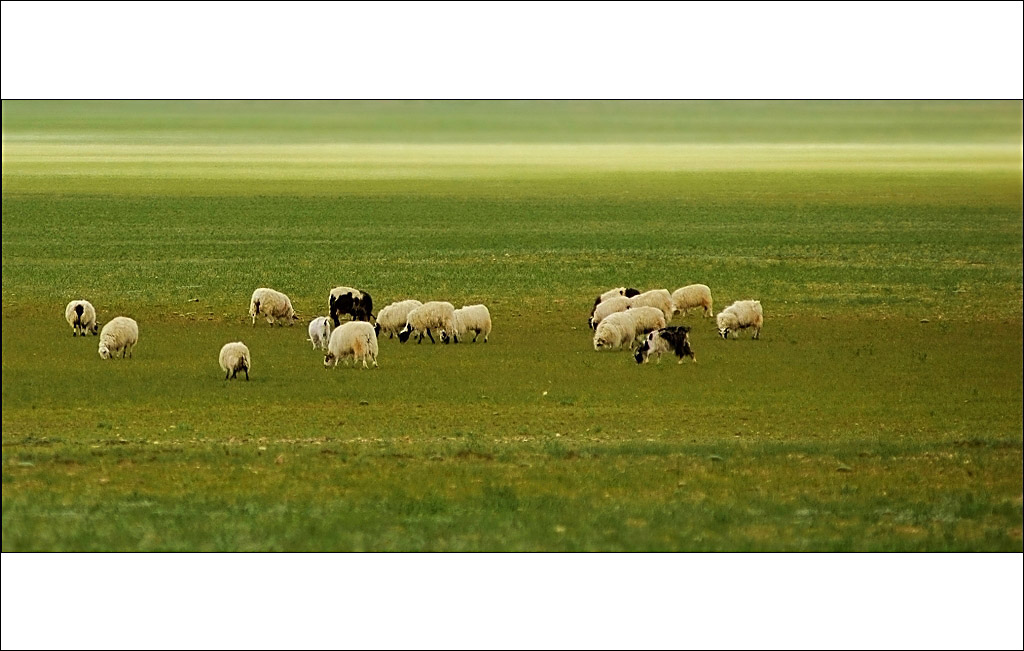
x,y
436,315
675,339
349,300
692,296
320,332
392,318
273,305
740,316
81,316
355,339
119,335
234,357
471,317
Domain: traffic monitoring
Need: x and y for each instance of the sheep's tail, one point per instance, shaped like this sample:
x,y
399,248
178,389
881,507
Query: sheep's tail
x,y
79,309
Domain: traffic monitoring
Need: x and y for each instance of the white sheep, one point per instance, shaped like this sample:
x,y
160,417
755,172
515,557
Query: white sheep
x,y
645,319
605,308
615,331
392,318
613,293
740,316
659,298
320,332
234,357
273,305
691,296
439,315
349,300
119,336
471,317
355,339
675,339
81,316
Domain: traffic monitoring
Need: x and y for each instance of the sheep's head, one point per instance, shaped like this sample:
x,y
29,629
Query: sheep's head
x,y
599,343
403,334
95,329
104,351
444,336
329,360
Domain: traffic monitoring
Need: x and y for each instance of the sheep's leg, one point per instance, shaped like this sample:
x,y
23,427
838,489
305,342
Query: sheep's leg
x,y
246,373
130,351
431,336
227,376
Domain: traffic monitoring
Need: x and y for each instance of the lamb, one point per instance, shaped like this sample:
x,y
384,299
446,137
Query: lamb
x,y
81,316
740,316
355,339
392,318
439,315
234,357
605,308
273,305
690,296
471,317
675,339
613,293
119,336
320,332
659,298
348,300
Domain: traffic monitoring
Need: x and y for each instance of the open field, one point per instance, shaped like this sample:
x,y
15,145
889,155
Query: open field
x,y
851,424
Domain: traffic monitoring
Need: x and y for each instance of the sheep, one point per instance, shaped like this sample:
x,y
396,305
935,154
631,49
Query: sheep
x,y
355,339
234,357
119,335
615,331
663,340
612,293
645,319
81,316
273,305
659,298
471,317
351,301
319,332
692,296
439,315
740,316
610,306
392,318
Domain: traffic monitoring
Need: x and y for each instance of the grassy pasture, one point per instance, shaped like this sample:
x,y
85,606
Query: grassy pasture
x,y
851,425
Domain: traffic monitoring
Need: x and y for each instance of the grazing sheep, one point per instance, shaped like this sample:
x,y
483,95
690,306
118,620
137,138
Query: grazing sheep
x,y
81,316
355,339
348,300
659,298
740,316
645,319
392,318
613,293
273,305
471,317
439,315
690,296
320,332
119,336
605,308
234,357
675,339
615,331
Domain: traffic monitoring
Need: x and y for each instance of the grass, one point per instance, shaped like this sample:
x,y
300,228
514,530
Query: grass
x,y
880,411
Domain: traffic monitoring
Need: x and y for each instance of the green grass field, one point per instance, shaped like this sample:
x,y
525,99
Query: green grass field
x,y
881,410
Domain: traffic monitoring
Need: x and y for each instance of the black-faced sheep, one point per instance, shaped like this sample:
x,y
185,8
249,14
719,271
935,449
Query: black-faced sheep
x,y
355,339
740,316
119,335
607,307
348,300
81,316
234,357
675,339
437,315
273,305
392,318
692,296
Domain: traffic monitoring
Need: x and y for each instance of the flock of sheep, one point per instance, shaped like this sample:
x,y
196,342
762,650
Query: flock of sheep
x,y
620,317
623,315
